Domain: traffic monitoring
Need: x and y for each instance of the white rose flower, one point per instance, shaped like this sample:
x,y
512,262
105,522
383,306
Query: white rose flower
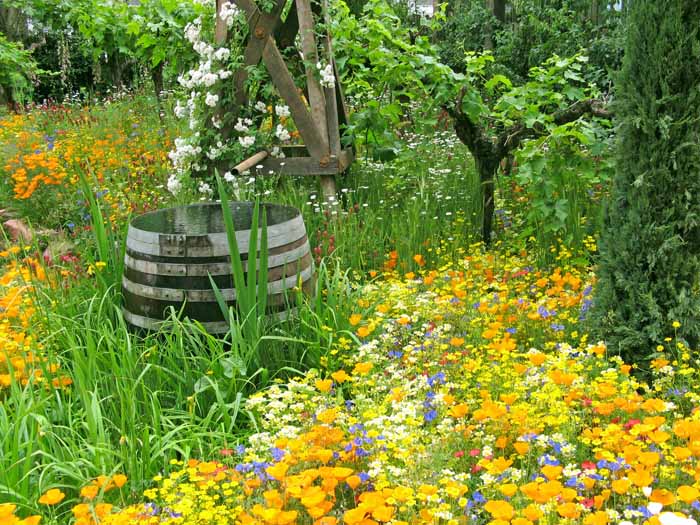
x,y
282,111
222,54
205,188
246,142
174,184
211,100
240,126
180,111
228,12
282,134
209,79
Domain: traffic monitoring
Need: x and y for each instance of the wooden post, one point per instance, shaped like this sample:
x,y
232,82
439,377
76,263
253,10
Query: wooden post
x,y
318,100
318,123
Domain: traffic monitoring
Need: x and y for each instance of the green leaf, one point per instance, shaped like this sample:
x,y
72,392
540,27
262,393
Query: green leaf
x,y
496,80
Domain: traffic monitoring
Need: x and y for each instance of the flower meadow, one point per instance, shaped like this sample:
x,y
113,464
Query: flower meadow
x,y
45,153
467,394
430,381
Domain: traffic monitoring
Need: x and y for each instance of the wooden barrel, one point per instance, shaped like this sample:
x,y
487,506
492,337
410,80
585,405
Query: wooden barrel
x,y
170,254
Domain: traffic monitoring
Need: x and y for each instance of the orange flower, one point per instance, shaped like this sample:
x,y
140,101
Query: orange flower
x,y
383,513
7,509
569,510
688,494
278,470
521,447
353,481
355,319
52,497
537,358
532,512
597,518
460,410
363,331
621,486
340,376
552,471
89,491
363,368
324,385
500,510
119,480
418,258
663,496
353,516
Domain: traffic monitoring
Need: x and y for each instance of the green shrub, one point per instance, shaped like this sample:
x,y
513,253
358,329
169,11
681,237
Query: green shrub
x,y
17,68
650,246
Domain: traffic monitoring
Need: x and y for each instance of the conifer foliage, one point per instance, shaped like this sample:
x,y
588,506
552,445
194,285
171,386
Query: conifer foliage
x,y
649,273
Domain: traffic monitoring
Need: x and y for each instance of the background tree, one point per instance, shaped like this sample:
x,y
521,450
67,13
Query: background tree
x,y
494,118
17,69
522,34
649,272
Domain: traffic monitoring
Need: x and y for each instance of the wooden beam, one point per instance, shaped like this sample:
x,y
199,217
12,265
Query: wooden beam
x,y
306,165
251,162
298,166
283,81
221,30
308,46
344,114
261,26
345,159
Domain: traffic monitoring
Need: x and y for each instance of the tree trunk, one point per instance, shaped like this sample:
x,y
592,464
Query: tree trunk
x,y
498,9
487,168
487,158
7,96
13,24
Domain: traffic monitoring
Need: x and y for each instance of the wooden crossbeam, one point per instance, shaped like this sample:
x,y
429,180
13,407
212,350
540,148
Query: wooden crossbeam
x,y
261,25
319,123
308,46
284,82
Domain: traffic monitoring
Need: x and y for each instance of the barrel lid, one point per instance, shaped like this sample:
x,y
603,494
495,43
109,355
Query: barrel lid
x,y
206,218
199,230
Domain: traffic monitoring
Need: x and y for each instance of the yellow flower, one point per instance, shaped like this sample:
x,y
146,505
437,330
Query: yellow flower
x,y
500,510
52,497
340,376
324,385
363,368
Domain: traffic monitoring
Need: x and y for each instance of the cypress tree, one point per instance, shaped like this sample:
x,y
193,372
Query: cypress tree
x,y
649,268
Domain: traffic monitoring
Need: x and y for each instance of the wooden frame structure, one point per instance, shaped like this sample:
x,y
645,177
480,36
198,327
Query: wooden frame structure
x,y
319,122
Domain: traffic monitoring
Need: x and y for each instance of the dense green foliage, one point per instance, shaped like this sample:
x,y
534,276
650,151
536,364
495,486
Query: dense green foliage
x,y
91,46
650,247
531,32
17,68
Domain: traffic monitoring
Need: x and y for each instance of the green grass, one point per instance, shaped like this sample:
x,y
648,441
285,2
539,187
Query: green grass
x,y
139,400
